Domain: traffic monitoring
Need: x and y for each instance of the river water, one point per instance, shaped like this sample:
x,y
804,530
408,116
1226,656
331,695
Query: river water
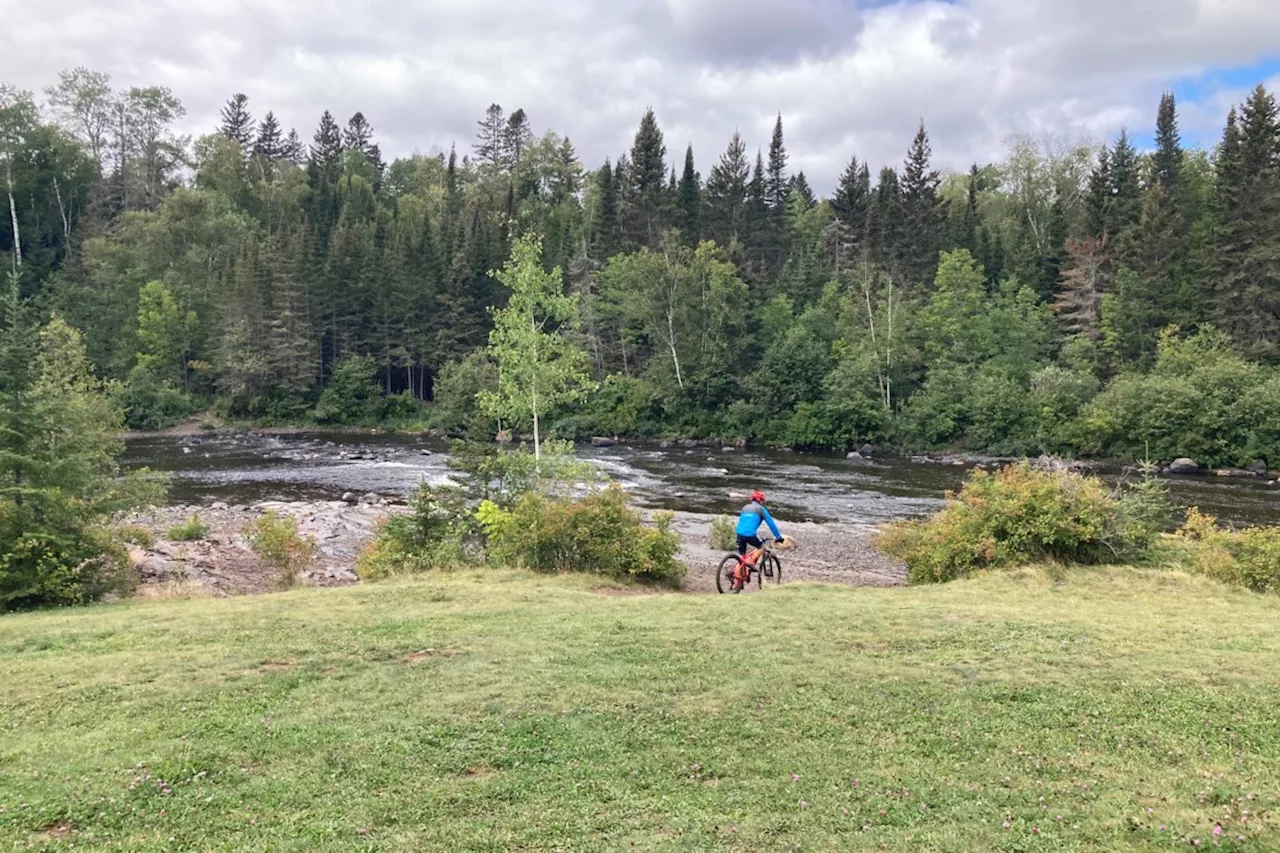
x,y
801,487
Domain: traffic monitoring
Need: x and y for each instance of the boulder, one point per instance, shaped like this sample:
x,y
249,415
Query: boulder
x,y
728,449
1257,466
690,444
854,457
371,498
602,441
218,505
350,498
426,453
866,450
665,445
1184,466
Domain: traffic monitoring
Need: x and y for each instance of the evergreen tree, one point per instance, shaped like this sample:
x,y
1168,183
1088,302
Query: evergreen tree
x,y
726,194
269,144
326,151
646,194
293,150
921,211
608,230
1099,200
852,200
758,216
492,137
1166,163
1248,238
1126,186
800,186
689,195
777,186
968,236
237,123
516,137
359,134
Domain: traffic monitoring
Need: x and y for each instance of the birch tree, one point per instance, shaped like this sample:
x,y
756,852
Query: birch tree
x,y
538,367
17,118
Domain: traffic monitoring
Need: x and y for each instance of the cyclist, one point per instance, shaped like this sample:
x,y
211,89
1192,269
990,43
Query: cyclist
x,y
749,520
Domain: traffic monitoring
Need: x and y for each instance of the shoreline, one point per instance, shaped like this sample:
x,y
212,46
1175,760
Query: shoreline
x,y
222,564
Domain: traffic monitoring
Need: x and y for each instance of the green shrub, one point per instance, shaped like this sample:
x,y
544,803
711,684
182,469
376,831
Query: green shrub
x,y
352,395
189,531
456,391
1020,515
61,562
1249,557
430,536
724,535
132,534
148,403
277,543
598,534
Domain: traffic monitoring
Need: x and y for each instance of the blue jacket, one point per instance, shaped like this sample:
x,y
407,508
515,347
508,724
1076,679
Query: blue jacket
x,y
752,516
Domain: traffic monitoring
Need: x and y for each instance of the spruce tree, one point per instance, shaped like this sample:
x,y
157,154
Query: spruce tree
x,y
1098,201
326,151
922,214
491,138
968,236
646,187
777,185
359,134
1166,163
726,194
294,151
1126,185
852,199
885,229
607,231
237,123
690,200
800,186
758,217
269,143
516,137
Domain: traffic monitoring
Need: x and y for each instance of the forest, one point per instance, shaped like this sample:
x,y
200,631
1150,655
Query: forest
x,y
1077,297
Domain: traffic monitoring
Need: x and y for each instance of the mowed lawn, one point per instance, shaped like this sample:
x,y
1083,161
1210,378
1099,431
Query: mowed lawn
x,y
499,711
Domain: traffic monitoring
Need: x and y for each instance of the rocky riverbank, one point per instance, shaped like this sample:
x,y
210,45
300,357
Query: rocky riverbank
x,y
222,563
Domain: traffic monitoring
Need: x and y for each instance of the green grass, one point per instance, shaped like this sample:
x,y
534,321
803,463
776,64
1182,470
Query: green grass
x,y
498,711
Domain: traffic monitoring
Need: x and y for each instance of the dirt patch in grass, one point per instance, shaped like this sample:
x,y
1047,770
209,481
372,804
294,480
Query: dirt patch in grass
x,y
279,665
56,831
424,654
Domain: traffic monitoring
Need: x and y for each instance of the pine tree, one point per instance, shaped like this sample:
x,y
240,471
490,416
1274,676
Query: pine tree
x,y
852,200
922,214
237,123
726,194
1248,236
758,217
646,189
689,195
1126,186
516,137
294,151
607,232
800,186
777,186
886,222
491,138
1099,201
1166,163
269,145
359,134
326,152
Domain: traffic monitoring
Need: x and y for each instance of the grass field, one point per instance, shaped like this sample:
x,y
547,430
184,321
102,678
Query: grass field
x,y
498,711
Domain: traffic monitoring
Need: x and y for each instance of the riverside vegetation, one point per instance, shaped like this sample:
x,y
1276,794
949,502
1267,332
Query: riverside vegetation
x,y
1077,296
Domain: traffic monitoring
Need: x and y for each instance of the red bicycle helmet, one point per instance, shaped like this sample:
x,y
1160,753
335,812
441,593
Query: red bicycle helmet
x,y
758,497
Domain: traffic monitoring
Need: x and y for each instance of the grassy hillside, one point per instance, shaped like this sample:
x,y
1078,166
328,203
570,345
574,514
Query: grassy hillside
x,y
1110,711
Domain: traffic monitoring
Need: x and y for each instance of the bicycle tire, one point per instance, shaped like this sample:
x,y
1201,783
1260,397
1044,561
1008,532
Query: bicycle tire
x,y
724,575
776,565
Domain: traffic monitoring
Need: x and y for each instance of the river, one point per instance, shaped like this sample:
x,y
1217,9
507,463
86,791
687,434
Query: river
x,y
802,487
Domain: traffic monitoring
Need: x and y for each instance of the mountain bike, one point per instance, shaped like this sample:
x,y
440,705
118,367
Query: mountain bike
x,y
736,570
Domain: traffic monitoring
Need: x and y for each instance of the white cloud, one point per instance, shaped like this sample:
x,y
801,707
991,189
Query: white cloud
x,y
844,79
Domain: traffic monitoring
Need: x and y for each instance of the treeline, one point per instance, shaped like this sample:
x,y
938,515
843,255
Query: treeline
x,y
1075,298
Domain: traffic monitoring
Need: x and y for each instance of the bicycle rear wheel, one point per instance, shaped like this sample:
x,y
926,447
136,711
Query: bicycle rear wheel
x,y
724,575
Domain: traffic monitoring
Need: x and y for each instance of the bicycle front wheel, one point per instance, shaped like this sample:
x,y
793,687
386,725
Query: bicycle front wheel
x,y
773,568
724,575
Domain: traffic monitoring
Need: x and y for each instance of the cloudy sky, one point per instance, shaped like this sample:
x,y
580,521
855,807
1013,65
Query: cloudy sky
x,y
847,76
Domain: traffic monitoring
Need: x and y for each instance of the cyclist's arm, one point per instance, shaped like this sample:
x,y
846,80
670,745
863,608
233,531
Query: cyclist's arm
x,y
773,527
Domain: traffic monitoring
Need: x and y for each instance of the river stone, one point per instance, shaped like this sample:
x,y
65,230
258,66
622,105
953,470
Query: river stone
x,y
1257,466
666,445
1184,466
218,505
727,449
866,450
371,498
854,457
689,444
602,441
350,498
426,453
